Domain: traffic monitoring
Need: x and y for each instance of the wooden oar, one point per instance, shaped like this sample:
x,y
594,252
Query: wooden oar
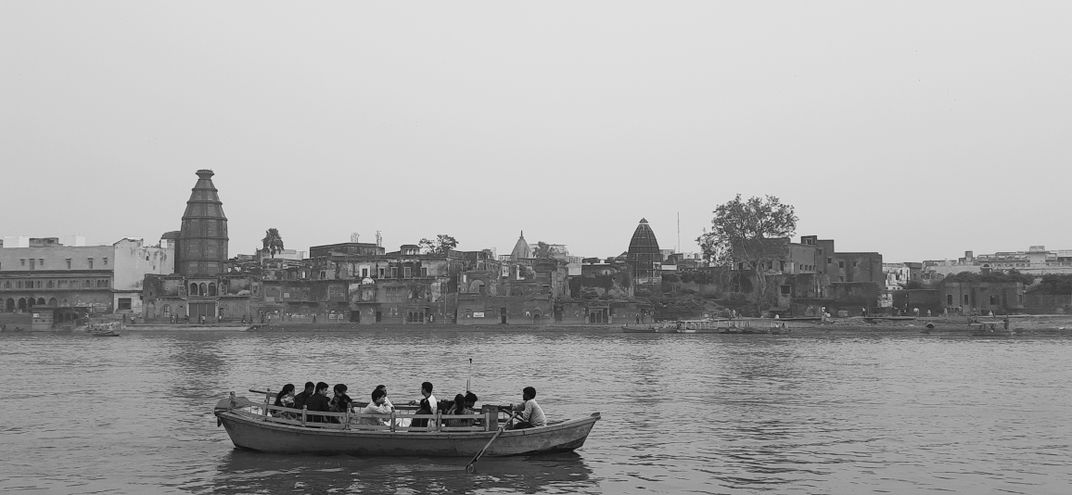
x,y
471,467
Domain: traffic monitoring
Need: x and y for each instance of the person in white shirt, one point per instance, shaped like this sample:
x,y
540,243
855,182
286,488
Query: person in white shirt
x,y
377,406
386,401
531,412
428,405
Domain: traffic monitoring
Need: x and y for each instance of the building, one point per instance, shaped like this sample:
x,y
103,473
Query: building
x,y
197,288
1035,261
89,279
644,258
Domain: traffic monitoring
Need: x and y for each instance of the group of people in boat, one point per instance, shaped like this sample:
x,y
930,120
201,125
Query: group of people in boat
x,y
314,398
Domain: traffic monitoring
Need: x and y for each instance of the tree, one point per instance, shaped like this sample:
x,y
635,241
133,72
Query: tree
x,y
747,234
273,242
443,244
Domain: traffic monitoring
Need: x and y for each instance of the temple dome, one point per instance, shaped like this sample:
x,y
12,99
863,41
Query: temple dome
x,y
521,249
643,256
202,246
643,241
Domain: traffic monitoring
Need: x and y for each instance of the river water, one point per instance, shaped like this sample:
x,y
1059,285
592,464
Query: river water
x,y
681,413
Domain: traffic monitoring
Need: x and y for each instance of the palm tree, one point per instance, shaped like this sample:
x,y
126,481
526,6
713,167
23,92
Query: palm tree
x,y
273,243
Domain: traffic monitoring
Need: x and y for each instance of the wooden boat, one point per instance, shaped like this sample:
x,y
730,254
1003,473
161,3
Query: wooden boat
x,y
268,428
106,329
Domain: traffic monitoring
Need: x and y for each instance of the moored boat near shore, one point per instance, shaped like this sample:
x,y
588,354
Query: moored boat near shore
x,y
268,428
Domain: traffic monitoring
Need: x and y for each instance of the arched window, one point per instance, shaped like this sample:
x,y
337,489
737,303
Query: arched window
x,y
193,289
212,289
40,301
22,304
52,302
203,289
167,311
10,306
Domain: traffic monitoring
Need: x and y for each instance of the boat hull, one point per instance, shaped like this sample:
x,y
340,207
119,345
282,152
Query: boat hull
x,y
251,431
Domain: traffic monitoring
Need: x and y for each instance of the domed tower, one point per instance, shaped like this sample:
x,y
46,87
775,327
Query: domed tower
x,y
202,246
644,257
521,249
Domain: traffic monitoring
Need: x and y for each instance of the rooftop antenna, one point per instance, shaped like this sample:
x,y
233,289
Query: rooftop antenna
x,y
678,232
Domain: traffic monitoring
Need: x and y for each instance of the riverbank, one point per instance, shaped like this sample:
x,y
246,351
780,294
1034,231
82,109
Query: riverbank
x,y
1018,324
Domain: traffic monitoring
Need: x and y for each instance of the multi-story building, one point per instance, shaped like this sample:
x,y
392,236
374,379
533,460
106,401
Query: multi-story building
x,y
92,279
1035,261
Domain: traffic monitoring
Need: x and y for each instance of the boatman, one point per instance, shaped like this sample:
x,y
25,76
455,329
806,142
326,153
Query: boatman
x,y
531,412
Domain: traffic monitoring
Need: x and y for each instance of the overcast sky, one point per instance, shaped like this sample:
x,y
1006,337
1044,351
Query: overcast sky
x,y
915,129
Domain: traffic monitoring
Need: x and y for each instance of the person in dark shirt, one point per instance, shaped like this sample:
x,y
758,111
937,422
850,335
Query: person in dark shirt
x,y
341,402
319,402
303,397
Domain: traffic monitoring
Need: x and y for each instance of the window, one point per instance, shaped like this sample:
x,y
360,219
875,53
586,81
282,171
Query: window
x,y
68,263
394,272
949,299
855,264
829,260
90,260
32,263
364,272
124,304
382,272
408,272
22,261
841,264
105,261
424,271
49,284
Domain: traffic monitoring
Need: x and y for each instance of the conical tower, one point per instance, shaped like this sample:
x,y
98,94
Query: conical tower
x,y
202,247
644,256
521,249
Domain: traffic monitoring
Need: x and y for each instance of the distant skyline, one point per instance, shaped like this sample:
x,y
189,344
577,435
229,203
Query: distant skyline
x,y
918,130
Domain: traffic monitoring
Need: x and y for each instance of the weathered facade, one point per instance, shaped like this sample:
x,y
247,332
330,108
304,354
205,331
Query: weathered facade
x,y
96,279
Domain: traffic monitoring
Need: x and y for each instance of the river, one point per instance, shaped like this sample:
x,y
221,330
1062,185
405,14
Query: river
x,y
681,413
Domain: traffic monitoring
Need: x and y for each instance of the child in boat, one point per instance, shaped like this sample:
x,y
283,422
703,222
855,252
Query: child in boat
x,y
377,406
531,412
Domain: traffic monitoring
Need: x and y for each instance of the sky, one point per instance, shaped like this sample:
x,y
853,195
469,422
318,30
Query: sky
x,y
918,130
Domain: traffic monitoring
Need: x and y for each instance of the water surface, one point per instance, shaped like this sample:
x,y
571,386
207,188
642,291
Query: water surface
x,y
681,413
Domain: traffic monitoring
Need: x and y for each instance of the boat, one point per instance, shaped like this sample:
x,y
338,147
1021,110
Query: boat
x,y
105,329
269,428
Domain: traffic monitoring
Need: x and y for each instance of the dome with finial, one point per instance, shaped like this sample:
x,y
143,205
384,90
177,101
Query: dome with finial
x,y
521,249
643,255
202,246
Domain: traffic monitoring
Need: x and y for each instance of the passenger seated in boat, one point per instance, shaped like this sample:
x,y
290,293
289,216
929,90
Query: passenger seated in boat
x,y
319,402
341,402
457,408
386,401
377,406
303,396
470,407
531,412
428,404
285,398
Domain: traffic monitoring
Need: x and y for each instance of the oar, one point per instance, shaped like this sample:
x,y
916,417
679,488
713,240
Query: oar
x,y
471,467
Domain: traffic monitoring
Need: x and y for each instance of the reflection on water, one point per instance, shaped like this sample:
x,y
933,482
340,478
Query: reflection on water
x,y
681,413
242,471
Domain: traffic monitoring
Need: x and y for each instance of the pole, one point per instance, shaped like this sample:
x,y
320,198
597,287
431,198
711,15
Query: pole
x,y
468,378
471,467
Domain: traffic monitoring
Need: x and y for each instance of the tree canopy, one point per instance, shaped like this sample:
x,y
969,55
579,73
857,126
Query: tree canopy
x,y
273,242
442,244
743,226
